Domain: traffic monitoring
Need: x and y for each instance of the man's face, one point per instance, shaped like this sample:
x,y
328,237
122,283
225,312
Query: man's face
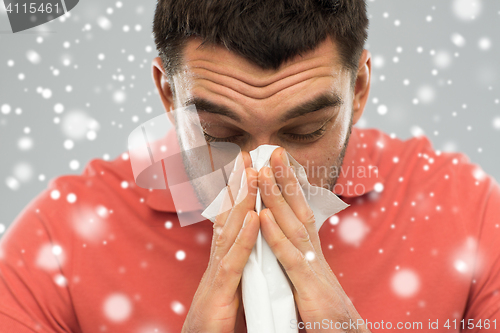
x,y
305,106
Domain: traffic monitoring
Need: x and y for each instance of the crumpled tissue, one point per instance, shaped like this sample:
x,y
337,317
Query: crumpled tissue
x,y
267,294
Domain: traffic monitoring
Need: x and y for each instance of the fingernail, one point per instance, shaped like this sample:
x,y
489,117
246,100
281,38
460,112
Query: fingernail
x,y
268,172
284,158
270,214
247,218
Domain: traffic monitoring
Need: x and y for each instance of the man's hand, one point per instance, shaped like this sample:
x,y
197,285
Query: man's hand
x,y
216,304
289,228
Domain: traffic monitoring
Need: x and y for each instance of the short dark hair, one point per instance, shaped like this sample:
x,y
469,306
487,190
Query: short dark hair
x,y
266,32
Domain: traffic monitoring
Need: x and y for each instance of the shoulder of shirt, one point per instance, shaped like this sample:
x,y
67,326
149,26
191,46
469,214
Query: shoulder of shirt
x,y
418,155
99,174
108,184
423,169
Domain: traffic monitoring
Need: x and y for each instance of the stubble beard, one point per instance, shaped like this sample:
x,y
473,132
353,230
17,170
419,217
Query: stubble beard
x,y
331,181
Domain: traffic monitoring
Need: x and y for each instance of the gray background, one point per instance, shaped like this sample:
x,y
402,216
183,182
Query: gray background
x,y
87,78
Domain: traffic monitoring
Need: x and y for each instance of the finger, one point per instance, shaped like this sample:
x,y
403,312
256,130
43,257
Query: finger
x,y
232,264
242,162
231,191
240,325
247,159
297,265
294,195
246,198
293,229
234,185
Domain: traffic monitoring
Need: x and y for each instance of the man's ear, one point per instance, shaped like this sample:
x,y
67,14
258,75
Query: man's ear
x,y
362,87
163,87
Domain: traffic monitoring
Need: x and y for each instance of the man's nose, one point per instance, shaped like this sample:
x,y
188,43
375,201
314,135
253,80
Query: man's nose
x,y
259,141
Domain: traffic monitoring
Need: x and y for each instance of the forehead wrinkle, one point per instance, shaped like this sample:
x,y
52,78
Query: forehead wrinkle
x,y
264,77
225,90
201,72
204,76
254,113
248,119
205,93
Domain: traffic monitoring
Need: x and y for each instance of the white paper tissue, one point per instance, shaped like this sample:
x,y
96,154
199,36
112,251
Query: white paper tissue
x,y
267,294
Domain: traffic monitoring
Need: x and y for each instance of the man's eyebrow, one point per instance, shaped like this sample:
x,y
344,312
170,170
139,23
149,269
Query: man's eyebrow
x,y
207,106
316,104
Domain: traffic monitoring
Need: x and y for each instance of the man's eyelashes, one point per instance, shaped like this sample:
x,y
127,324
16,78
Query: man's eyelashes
x,y
309,137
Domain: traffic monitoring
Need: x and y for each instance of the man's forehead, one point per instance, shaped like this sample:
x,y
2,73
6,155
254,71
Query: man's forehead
x,y
213,73
217,58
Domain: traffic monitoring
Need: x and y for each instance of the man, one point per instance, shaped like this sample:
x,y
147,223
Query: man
x,y
416,250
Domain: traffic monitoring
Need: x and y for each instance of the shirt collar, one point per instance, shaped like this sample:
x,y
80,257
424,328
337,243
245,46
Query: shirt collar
x,y
358,174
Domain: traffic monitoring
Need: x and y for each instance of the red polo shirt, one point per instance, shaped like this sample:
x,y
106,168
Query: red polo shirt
x,y
419,244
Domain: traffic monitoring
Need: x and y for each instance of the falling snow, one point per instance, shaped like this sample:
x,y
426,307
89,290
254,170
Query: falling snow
x,y
178,308
71,198
25,143
76,124
467,10
496,123
458,39
33,57
352,231
83,91
426,94
117,307
382,110
60,280
74,165
23,172
334,220
484,44
104,23
180,255
379,187
5,108
405,283
55,194
50,257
